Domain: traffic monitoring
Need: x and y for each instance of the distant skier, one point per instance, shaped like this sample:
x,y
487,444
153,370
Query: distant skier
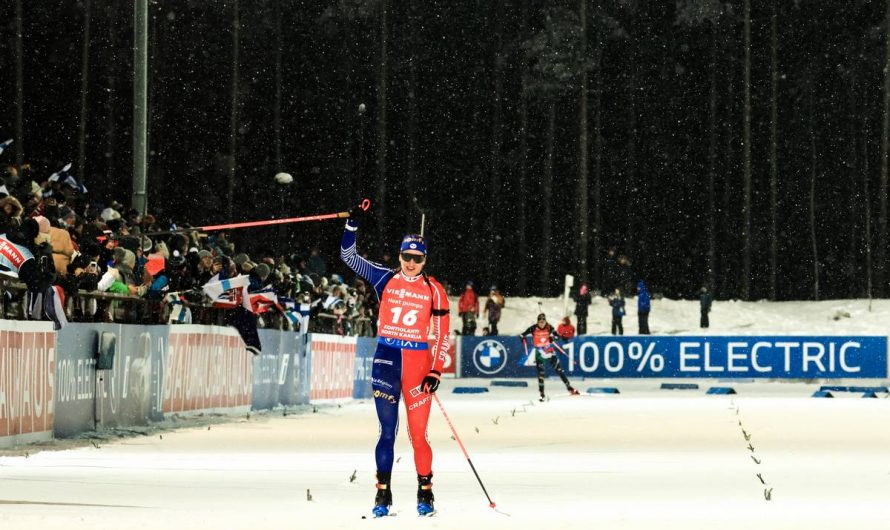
x,y
413,307
543,348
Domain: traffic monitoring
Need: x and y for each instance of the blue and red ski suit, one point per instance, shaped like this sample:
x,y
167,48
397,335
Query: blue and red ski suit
x,y
412,309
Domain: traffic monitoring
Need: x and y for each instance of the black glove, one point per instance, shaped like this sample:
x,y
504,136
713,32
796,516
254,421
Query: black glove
x,y
359,212
431,382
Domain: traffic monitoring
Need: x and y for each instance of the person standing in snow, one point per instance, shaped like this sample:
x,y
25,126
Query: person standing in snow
x,y
617,303
493,307
468,309
705,302
582,302
565,329
544,350
407,364
644,305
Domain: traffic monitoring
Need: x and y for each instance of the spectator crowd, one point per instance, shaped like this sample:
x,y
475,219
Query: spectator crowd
x,y
115,264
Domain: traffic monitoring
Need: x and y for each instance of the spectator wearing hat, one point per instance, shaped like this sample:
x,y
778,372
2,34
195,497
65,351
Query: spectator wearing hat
x,y
119,276
258,277
10,213
493,307
148,223
468,309
240,259
109,214
204,268
178,273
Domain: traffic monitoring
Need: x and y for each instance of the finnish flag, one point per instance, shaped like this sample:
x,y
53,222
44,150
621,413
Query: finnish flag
x,y
64,176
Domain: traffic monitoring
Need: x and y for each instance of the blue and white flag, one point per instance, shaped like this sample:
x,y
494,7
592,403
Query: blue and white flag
x,y
4,145
215,288
179,312
64,176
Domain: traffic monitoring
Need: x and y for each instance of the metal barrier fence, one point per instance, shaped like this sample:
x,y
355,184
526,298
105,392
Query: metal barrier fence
x,y
95,306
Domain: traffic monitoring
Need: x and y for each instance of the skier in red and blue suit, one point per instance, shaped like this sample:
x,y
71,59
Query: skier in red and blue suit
x,y
407,362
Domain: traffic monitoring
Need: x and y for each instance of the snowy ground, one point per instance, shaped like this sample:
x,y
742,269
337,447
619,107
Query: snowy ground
x,y
644,459
681,317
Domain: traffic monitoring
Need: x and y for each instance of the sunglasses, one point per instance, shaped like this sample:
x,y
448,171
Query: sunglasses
x,y
416,258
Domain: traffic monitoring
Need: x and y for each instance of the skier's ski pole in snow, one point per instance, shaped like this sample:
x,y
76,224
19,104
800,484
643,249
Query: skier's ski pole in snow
x,y
491,503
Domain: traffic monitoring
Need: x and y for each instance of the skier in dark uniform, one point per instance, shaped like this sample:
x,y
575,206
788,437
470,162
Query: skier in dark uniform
x,y
407,362
544,348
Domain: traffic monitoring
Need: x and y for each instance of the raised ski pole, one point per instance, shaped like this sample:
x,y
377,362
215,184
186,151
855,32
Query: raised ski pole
x,y
365,204
491,503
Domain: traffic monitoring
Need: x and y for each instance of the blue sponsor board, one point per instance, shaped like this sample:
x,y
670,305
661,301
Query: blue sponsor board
x,y
792,357
364,359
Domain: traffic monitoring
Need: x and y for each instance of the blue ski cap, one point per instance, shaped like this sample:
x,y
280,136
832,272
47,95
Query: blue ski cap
x,y
413,242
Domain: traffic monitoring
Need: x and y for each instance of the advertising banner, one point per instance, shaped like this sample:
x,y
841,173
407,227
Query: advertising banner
x,y
27,376
206,368
364,358
789,357
332,369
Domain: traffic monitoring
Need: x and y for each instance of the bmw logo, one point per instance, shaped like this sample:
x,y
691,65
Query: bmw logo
x,y
490,357
413,245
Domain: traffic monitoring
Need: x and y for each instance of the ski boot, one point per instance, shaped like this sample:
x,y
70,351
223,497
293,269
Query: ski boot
x,y
383,499
542,398
425,495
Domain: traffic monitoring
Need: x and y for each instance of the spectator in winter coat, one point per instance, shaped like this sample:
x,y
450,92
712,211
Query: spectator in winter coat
x,y
493,307
119,276
565,329
10,213
582,301
204,269
468,309
316,263
643,306
617,303
705,302
63,249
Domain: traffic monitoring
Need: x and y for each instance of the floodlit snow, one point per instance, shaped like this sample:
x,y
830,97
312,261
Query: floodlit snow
x,y
644,459
681,317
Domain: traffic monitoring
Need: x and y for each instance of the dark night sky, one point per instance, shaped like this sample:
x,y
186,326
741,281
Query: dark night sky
x,y
656,72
